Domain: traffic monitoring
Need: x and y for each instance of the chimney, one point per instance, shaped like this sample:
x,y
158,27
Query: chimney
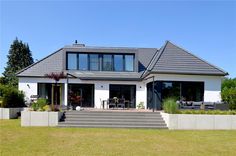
x,y
78,44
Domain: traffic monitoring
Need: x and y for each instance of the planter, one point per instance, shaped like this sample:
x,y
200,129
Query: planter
x,y
9,113
199,121
31,118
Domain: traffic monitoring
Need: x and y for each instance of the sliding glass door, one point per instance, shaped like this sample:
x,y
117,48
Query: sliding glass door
x,y
179,90
128,92
81,95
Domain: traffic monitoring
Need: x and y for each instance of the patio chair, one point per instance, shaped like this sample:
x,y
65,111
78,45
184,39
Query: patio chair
x,y
209,105
111,103
187,105
121,103
197,105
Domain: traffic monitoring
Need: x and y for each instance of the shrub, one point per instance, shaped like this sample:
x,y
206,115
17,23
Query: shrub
x,y
141,105
170,106
46,108
39,105
210,112
228,92
11,97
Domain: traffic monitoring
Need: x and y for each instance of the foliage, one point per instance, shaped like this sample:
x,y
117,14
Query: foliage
x,y
141,105
47,108
213,112
11,97
2,80
56,76
19,57
170,106
39,105
228,92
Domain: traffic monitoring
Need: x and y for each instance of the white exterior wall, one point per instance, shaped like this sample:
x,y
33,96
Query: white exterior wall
x,y
101,91
212,87
212,84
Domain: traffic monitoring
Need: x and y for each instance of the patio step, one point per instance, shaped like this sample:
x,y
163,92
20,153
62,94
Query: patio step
x,y
113,119
111,126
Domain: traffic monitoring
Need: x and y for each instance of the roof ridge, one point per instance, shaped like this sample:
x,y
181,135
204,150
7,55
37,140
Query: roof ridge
x,y
216,67
157,55
161,52
150,63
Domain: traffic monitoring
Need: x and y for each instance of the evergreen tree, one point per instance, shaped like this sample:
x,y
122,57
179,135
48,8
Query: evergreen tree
x,y
19,57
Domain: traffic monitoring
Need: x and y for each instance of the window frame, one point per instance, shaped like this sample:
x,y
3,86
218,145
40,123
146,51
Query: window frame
x,y
67,67
78,57
122,59
125,62
93,62
112,62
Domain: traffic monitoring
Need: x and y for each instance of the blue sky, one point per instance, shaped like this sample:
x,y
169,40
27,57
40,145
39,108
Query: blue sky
x,y
207,29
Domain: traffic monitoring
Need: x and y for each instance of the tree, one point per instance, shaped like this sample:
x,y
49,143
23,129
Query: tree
x,y
19,57
228,92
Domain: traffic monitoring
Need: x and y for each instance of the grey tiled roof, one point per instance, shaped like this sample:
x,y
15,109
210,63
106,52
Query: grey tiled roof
x,y
173,59
51,63
168,59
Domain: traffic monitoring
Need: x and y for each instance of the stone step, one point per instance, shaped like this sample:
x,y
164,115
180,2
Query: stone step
x,y
112,126
115,119
110,112
112,116
113,123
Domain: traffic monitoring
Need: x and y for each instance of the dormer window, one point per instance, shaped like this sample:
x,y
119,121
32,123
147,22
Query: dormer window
x,y
100,62
72,61
94,62
129,62
107,62
83,61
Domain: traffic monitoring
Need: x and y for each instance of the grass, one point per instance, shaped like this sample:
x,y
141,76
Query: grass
x,y
16,140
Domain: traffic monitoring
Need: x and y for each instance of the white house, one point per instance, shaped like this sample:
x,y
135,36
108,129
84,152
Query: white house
x,y
147,75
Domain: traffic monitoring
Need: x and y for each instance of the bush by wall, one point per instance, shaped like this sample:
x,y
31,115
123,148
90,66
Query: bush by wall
x,y
170,106
10,97
209,112
228,92
39,105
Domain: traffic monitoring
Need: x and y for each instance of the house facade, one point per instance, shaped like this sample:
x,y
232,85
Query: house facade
x,y
138,75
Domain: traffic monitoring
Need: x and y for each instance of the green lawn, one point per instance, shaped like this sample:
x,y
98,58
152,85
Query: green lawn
x,y
16,140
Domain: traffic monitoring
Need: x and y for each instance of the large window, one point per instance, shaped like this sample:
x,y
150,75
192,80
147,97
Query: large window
x,y
83,61
171,89
107,62
179,90
100,62
72,61
94,61
129,63
118,63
